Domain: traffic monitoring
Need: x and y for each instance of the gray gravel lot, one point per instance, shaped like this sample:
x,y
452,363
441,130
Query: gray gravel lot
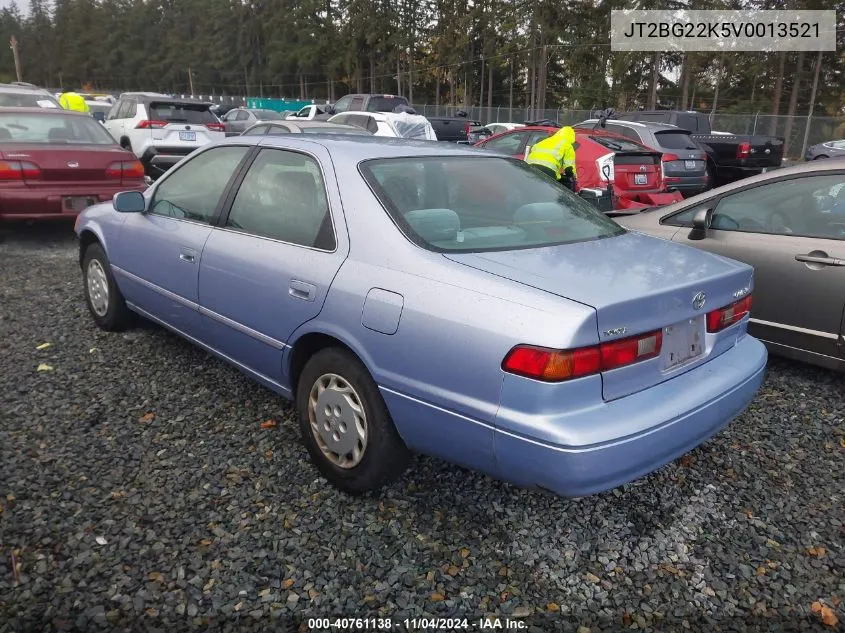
x,y
142,487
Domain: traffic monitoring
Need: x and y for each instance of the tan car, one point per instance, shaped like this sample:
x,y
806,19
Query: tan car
x,y
790,225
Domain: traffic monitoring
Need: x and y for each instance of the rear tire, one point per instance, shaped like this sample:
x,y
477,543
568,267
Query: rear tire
x,y
105,301
345,424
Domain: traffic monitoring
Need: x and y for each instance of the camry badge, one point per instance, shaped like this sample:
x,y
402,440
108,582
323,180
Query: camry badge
x,y
615,331
72,164
741,292
698,300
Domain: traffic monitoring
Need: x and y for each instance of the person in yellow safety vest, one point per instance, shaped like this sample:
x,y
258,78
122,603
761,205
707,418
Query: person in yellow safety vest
x,y
73,101
555,157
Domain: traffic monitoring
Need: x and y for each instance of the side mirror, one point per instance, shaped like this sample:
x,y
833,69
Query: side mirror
x,y
700,224
129,202
100,116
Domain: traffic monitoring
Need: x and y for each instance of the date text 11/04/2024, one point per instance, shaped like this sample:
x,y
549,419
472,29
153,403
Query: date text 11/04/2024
x,y
316,625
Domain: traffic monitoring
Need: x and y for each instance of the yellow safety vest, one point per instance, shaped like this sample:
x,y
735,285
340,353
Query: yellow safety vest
x,y
73,101
555,153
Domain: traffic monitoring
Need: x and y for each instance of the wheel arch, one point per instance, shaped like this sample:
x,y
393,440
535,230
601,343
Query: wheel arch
x,y
89,235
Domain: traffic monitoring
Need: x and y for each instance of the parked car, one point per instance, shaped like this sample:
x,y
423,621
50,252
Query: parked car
x,y
600,158
498,128
19,95
367,103
451,129
54,163
98,109
790,225
684,162
289,126
161,130
239,119
219,109
828,149
393,124
311,113
535,340
732,156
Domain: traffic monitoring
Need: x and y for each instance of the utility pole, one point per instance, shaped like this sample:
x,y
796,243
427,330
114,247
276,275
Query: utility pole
x,y
812,102
191,80
481,94
510,101
13,44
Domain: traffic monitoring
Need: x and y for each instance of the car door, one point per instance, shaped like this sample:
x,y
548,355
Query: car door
x,y
267,269
791,232
158,254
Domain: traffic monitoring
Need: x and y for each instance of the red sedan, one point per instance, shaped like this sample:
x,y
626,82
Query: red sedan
x,y
600,157
54,163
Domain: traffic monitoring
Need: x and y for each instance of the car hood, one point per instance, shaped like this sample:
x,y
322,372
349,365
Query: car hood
x,y
633,281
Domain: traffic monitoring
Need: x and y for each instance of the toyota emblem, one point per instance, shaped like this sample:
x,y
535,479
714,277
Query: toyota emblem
x,y
643,168
72,164
699,300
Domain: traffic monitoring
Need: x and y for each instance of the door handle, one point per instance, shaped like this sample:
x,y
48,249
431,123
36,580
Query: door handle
x,y
820,259
188,255
302,290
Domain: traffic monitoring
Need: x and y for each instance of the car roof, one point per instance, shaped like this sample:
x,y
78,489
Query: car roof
x,y
356,148
811,168
650,125
48,111
24,90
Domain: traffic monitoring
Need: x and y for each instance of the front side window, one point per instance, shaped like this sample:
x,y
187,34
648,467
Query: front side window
x,y
283,197
193,191
508,143
469,204
342,105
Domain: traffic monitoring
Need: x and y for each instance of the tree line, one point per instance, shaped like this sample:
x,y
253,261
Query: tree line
x,y
511,53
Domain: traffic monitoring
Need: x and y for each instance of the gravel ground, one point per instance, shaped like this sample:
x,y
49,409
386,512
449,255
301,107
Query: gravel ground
x,y
145,485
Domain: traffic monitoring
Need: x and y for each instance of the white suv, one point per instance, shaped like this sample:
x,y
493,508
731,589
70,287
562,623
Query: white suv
x,y
161,130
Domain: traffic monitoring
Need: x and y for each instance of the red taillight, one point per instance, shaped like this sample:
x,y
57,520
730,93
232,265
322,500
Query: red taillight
x,y
630,350
125,170
743,150
18,170
216,127
150,125
668,158
552,365
718,320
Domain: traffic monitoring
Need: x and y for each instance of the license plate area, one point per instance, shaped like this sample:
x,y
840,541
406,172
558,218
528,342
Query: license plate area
x,y
682,343
187,136
690,164
77,204
640,179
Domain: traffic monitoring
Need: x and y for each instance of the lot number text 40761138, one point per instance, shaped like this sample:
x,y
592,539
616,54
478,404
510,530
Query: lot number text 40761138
x,y
415,624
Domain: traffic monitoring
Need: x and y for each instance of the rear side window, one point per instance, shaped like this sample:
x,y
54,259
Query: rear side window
x,y
385,104
675,140
181,113
283,197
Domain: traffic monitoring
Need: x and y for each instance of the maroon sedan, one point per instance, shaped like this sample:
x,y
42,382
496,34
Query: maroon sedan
x,y
54,163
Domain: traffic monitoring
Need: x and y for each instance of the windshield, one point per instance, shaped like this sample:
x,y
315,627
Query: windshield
x,y
334,130
474,204
267,115
52,128
182,113
385,104
618,144
675,140
27,100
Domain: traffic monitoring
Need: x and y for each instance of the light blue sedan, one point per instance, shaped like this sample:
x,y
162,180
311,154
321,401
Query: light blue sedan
x,y
411,296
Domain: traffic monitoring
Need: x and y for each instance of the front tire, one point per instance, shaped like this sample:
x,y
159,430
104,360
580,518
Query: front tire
x,y
104,299
345,424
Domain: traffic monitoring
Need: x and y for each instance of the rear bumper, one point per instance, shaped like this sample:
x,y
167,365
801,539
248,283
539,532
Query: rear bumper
x,y
47,204
686,184
678,415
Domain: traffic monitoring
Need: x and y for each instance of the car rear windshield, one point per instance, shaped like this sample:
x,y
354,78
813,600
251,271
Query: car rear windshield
x,y
182,113
334,130
385,104
675,140
474,204
618,144
267,115
27,100
52,128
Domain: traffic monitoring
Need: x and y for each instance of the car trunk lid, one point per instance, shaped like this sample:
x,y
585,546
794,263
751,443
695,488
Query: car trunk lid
x,y
636,284
634,171
88,165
